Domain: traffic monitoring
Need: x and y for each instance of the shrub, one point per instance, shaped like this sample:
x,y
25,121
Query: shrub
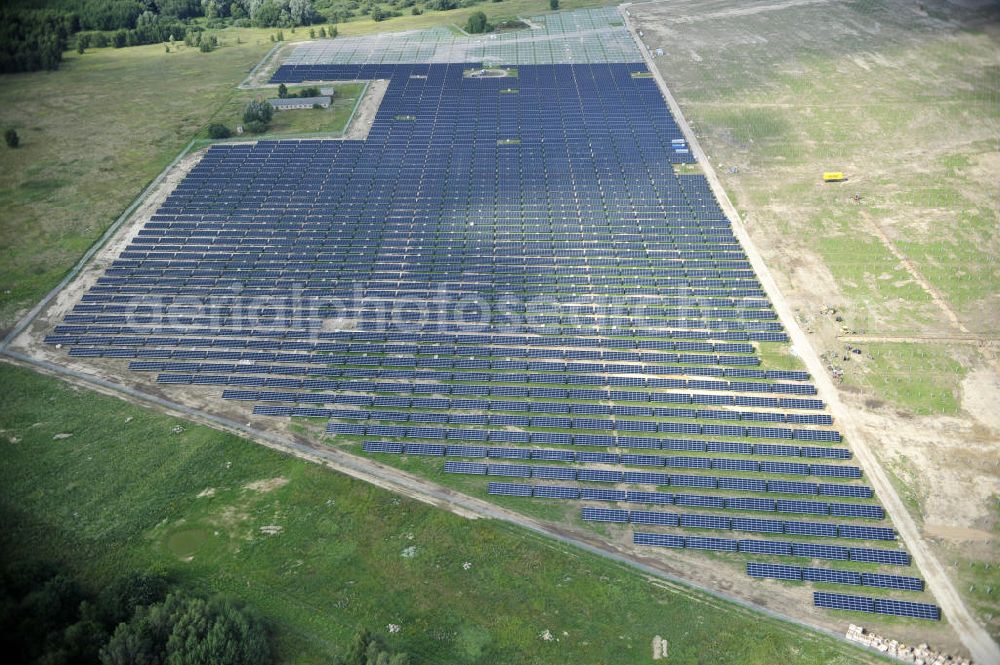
x,y
12,139
258,111
218,131
255,127
477,24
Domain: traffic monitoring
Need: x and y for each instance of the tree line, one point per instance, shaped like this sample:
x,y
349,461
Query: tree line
x,y
47,617
32,39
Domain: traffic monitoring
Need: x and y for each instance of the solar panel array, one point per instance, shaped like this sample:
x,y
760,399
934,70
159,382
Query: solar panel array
x,y
877,606
509,273
580,36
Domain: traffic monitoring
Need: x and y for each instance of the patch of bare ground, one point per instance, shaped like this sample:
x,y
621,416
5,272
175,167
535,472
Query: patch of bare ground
x,y
266,485
364,115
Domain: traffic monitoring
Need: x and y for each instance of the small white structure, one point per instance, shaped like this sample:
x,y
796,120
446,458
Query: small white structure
x,y
290,103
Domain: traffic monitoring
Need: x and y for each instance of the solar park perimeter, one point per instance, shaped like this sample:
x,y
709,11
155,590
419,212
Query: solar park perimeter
x,y
511,278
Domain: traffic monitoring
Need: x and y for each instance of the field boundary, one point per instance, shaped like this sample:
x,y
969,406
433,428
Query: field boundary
x,y
979,643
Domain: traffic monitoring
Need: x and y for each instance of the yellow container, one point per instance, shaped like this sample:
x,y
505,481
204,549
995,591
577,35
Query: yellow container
x,y
833,176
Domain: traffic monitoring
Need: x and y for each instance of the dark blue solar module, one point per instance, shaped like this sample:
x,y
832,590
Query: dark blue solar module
x,y
658,498
831,576
509,489
603,515
774,571
520,470
820,551
837,601
593,494
648,517
382,447
717,544
757,525
556,492
903,608
765,547
866,532
892,557
658,539
472,468
892,581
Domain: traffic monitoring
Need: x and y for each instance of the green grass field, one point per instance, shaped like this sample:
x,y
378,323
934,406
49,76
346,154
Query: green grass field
x,y
125,492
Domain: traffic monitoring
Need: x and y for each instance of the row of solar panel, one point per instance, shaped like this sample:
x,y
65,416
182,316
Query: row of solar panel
x,y
134,346
555,438
833,552
661,479
619,411
685,462
577,423
845,510
470,390
795,573
594,338
838,601
686,520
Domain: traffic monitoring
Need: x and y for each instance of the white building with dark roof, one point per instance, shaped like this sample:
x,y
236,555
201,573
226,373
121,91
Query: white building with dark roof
x,y
290,103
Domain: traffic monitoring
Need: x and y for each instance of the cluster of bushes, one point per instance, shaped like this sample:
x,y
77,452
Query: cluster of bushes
x,y
323,33
339,11
303,93
257,116
366,649
477,24
47,617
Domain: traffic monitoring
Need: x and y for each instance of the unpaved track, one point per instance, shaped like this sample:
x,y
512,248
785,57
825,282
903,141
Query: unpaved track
x,y
980,645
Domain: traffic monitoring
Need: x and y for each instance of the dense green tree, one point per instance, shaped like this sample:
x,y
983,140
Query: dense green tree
x,y
218,131
82,641
180,8
31,40
118,601
366,649
553,4
185,630
268,14
258,111
255,127
477,24
216,633
282,90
